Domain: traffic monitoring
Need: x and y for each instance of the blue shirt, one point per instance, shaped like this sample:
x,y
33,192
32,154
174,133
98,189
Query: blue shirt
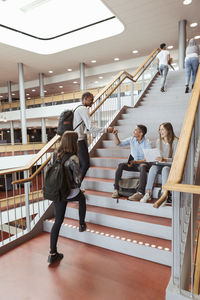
x,y
136,147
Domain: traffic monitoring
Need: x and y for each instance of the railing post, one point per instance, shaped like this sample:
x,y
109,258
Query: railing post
x,y
132,93
176,240
118,96
143,81
99,114
26,192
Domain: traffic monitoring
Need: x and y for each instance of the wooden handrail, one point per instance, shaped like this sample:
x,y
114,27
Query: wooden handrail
x,y
197,266
53,141
177,168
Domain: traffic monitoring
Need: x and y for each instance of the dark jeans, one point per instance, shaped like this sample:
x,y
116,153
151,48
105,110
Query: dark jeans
x,y
84,158
60,208
142,168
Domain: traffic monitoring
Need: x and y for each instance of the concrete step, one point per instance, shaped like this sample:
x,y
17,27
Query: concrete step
x,y
114,152
98,184
104,199
133,244
110,162
129,221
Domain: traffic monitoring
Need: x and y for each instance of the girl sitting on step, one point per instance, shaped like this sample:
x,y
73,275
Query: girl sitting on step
x,y
167,143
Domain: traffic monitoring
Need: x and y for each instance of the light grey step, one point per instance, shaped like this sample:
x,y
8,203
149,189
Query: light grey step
x,y
150,229
102,162
101,172
98,185
108,143
114,244
115,152
126,205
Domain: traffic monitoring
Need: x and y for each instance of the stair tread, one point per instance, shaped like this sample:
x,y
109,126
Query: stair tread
x,y
98,179
122,234
125,214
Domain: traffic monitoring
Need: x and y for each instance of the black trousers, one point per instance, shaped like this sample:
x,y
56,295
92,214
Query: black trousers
x,y
142,168
84,158
60,208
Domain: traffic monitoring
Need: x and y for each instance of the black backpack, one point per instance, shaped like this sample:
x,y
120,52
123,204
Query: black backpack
x,y
66,121
57,184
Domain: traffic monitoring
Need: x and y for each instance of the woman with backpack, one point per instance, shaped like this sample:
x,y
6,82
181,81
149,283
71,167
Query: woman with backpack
x,y
166,143
67,154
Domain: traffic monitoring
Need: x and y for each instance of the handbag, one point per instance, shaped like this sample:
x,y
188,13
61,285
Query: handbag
x,y
128,186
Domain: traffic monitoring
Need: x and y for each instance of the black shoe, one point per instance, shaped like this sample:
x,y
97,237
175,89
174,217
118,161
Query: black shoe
x,y
55,258
169,197
187,89
82,227
162,90
192,85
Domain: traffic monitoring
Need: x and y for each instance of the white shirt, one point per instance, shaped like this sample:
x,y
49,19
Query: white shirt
x,y
81,114
163,57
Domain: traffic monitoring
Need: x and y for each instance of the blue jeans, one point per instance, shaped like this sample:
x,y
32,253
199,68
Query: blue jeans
x,y
163,72
153,172
191,66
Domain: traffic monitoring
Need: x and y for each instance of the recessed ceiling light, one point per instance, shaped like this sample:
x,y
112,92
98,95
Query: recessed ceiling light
x,y
45,91
96,81
93,61
100,77
13,94
27,94
75,82
29,98
60,86
62,92
69,70
135,51
33,90
193,24
1,96
50,72
116,58
170,47
186,2
197,37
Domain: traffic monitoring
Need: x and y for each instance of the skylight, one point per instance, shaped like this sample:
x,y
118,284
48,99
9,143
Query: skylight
x,y
49,26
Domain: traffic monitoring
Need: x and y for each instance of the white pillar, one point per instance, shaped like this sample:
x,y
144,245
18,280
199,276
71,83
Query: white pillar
x,y
181,43
22,103
82,76
11,122
43,124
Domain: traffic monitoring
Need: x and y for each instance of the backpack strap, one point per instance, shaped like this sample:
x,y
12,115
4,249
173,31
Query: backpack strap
x,y
73,112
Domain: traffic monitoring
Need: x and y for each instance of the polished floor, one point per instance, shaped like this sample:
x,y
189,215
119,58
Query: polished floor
x,y
86,272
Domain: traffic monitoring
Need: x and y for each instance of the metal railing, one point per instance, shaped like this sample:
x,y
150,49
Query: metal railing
x,y
21,199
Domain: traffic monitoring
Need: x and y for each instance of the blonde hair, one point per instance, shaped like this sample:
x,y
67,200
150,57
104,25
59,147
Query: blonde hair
x,y
170,136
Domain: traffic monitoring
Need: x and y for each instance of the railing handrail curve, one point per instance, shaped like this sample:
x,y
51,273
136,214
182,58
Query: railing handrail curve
x,y
53,141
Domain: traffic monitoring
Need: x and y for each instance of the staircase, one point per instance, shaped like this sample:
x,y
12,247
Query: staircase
x,y
132,228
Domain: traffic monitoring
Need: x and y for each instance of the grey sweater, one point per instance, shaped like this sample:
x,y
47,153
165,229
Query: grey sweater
x,y
165,149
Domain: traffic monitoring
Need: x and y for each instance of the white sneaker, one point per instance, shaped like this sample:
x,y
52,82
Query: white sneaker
x,y
146,198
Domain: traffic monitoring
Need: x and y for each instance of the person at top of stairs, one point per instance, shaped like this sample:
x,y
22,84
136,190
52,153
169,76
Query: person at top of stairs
x,y
68,148
137,143
167,144
83,123
191,63
163,58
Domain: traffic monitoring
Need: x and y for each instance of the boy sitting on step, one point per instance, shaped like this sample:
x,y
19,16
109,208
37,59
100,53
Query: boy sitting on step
x,y
138,163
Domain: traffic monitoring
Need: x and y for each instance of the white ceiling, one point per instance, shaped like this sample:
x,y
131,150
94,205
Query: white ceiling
x,y
147,24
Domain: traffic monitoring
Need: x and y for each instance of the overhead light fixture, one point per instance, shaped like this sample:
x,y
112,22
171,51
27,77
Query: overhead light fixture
x,y
50,72
96,81
69,70
27,94
33,90
60,86
135,51
100,77
45,91
93,61
1,96
193,24
62,92
186,2
13,94
116,58
197,37
170,47
75,82
29,98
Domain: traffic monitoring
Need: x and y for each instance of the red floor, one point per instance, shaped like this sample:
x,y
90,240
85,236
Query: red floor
x,y
85,273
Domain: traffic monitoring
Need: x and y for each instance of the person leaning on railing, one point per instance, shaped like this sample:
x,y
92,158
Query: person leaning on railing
x,y
167,144
82,117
